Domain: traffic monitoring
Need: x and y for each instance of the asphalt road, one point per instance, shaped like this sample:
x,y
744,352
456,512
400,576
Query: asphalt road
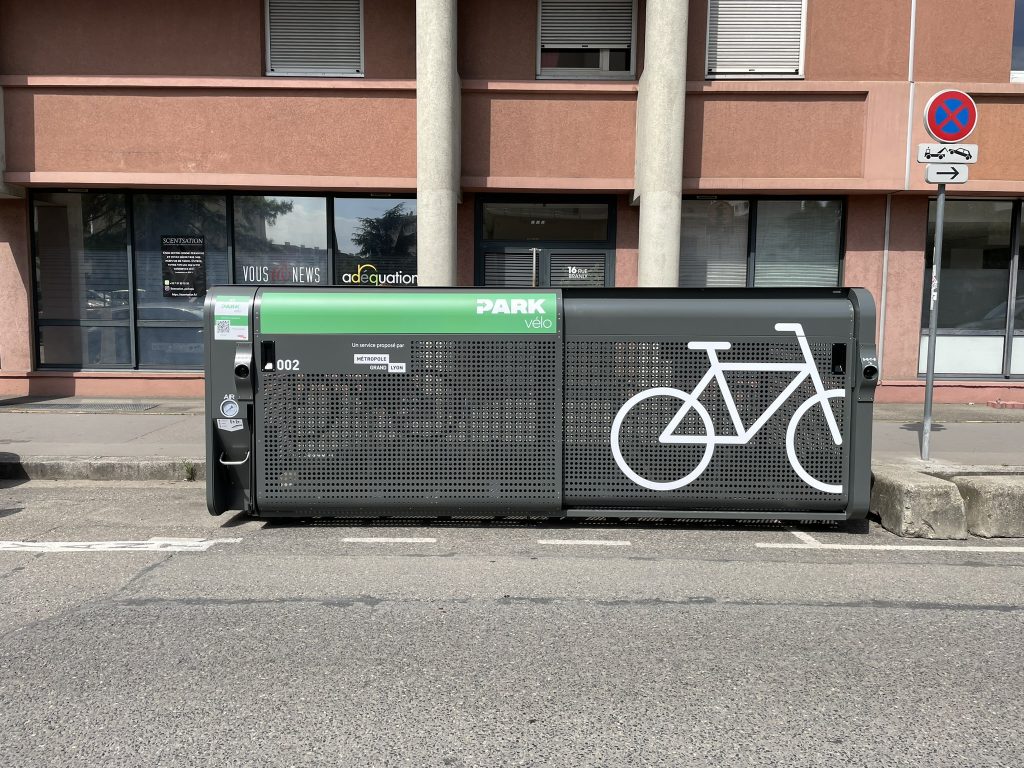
x,y
479,645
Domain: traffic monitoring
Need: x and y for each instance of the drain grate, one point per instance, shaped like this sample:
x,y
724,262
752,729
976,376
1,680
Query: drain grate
x,y
80,407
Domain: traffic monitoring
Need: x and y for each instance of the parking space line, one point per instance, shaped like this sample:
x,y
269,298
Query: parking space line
x,y
806,538
587,542
155,544
386,540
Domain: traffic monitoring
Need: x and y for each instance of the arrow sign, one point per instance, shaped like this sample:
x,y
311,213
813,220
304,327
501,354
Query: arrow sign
x,y
947,153
945,174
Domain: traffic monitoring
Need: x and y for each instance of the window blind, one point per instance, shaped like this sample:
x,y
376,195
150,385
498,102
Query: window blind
x,y
586,23
511,268
713,248
755,37
315,37
797,243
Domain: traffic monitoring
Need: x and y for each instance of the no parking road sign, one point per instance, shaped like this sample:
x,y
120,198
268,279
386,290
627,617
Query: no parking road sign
x,y
950,116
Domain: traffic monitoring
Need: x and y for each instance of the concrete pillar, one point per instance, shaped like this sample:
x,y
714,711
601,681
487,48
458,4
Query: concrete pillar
x,y
15,293
438,97
659,151
15,280
6,190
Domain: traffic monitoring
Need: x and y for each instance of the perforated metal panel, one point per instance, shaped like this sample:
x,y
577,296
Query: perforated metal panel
x,y
600,376
474,424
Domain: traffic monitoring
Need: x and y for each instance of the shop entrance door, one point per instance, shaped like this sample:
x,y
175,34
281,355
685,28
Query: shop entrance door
x,y
545,242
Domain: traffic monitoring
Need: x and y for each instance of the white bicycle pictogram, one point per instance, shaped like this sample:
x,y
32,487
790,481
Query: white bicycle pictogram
x,y
716,372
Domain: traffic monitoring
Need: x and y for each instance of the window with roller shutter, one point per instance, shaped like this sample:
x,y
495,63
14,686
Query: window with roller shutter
x,y
319,38
756,38
581,39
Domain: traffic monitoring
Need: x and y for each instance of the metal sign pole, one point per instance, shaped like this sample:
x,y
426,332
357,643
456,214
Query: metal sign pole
x,y
933,321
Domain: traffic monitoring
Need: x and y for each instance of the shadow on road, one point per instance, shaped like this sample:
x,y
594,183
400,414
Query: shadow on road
x,y
859,527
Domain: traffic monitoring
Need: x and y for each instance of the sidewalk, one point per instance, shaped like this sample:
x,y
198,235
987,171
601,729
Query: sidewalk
x,y
971,445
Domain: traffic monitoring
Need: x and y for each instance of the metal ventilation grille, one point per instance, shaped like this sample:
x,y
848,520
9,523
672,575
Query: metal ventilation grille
x,y
315,37
600,376
473,425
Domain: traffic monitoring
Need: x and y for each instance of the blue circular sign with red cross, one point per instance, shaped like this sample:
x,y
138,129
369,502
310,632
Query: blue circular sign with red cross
x,y
950,116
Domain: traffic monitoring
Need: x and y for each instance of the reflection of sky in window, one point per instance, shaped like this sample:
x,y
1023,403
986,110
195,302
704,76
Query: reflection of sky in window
x,y
305,225
348,211
1018,36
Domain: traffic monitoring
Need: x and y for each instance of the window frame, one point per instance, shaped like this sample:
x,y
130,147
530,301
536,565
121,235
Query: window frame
x,y
753,201
800,74
268,70
1016,75
567,73
1015,286
610,245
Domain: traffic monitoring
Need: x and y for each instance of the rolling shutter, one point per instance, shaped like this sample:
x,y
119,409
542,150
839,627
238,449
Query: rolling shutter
x,y
755,38
586,23
315,37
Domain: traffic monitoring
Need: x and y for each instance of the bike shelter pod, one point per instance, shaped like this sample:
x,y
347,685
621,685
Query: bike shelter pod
x,y
752,404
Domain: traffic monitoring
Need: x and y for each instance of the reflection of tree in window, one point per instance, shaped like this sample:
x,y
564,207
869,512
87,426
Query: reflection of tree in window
x,y
104,265
104,219
184,214
392,235
252,220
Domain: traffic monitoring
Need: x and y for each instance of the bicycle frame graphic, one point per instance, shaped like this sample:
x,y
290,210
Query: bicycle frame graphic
x,y
716,372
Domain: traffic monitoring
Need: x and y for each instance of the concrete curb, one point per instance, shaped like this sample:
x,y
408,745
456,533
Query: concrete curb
x,y
102,468
917,505
994,504
942,501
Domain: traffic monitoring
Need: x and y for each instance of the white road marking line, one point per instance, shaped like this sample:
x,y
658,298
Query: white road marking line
x,y
587,542
895,547
806,538
155,544
381,540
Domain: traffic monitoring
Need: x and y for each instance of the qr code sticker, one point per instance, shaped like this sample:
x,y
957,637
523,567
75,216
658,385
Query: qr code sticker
x,y
223,328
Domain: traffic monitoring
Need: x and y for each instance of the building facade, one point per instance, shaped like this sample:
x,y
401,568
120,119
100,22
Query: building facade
x,y
152,149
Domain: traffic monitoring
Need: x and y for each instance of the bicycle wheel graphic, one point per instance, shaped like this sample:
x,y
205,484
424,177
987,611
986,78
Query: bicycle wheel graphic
x,y
822,399
640,401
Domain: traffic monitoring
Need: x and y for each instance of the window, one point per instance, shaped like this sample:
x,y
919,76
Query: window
x,y
760,243
545,221
315,37
1017,56
586,39
82,279
102,304
756,39
181,247
980,280
280,240
374,241
797,243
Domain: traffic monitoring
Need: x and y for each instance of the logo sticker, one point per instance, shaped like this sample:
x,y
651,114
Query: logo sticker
x,y
231,318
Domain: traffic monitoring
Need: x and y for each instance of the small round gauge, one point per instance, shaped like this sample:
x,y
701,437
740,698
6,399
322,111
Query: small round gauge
x,y
229,408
